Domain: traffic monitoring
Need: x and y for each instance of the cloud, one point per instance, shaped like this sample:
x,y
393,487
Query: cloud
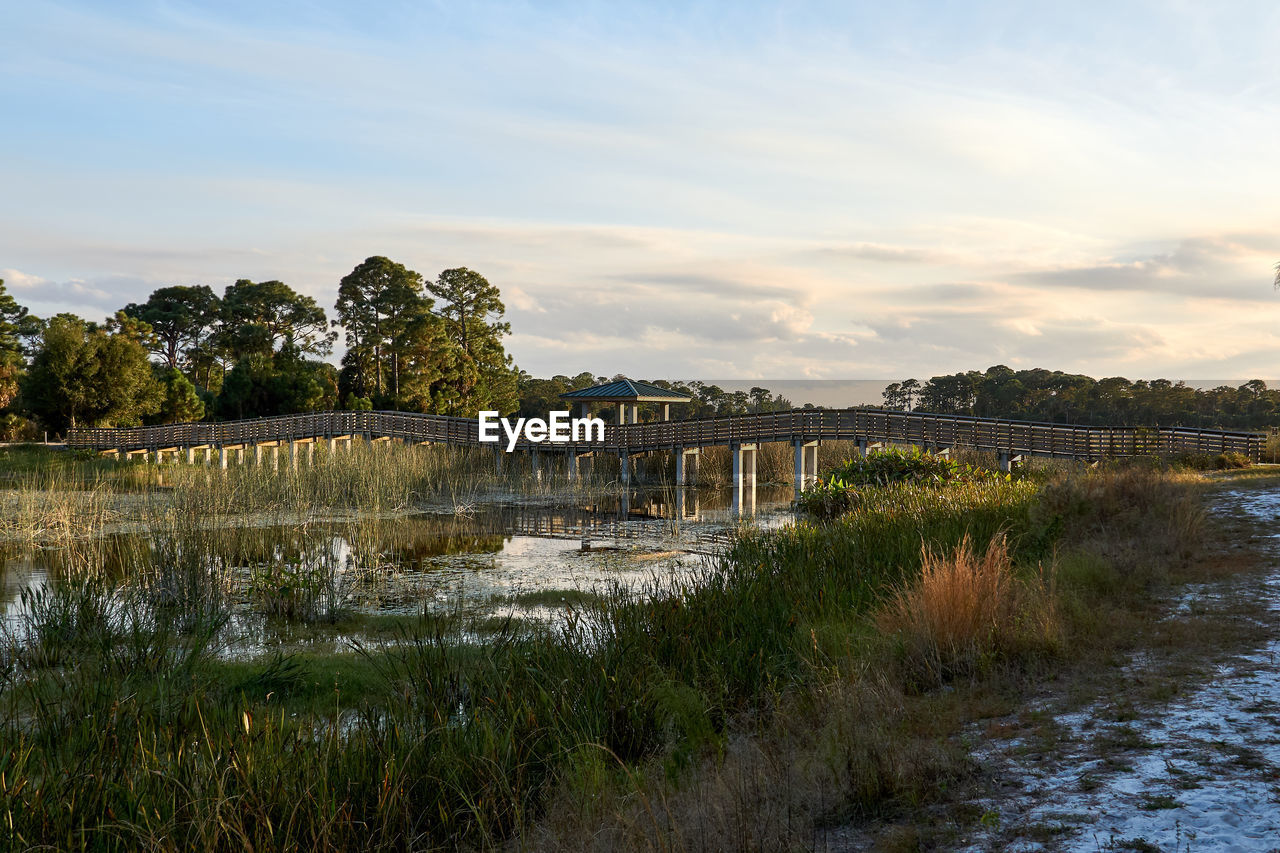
x,y
711,285
1211,268
100,296
890,254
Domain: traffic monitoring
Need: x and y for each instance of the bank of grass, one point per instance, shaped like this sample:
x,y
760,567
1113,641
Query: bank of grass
x,y
867,752
48,496
770,699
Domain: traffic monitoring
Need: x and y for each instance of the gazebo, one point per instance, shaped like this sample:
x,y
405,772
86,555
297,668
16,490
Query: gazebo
x,y
627,393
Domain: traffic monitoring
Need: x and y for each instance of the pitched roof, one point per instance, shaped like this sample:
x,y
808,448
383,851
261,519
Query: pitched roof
x,y
628,389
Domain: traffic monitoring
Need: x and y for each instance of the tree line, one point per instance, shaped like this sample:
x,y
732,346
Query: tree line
x,y
188,353
1057,397
539,396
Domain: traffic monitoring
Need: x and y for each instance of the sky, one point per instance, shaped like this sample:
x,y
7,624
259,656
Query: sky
x,y
732,190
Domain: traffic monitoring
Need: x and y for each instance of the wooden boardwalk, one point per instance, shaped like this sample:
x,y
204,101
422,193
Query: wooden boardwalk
x,y
866,427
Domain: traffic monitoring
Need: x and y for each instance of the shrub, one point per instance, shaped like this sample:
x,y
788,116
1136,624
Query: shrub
x,y
1231,460
828,500
913,466
965,609
1211,461
839,494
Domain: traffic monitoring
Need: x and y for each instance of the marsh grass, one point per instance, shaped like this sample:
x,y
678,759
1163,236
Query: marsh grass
x,y
73,496
744,705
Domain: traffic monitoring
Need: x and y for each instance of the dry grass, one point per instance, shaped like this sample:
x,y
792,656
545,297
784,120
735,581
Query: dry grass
x,y
825,758
967,608
1140,519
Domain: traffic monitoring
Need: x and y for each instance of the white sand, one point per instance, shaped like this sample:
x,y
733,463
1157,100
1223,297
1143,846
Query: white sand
x,y
1210,782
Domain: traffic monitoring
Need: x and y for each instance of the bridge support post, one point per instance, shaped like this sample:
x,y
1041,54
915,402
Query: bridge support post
x,y
191,456
571,465
806,464
624,464
744,478
683,457
535,466
222,458
159,456
293,455
257,454
497,460
1008,460
311,453
275,457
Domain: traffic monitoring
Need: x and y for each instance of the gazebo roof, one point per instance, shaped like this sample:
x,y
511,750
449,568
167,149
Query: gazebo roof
x,y
627,391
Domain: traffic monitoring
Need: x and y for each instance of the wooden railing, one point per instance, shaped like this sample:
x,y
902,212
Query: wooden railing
x,y
865,425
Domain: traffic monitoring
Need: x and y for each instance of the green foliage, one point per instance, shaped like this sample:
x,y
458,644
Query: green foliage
x,y
539,396
840,493
473,318
398,355
85,374
278,383
17,428
1212,461
828,498
885,467
261,317
357,404
1058,397
13,320
179,402
181,319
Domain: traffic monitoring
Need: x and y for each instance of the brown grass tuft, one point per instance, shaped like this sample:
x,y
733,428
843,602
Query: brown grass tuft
x,y
967,609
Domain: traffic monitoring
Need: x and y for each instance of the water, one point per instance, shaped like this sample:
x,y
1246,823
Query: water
x,y
486,559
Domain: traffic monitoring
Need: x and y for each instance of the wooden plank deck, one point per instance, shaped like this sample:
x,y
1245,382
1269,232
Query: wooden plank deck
x,y
1016,438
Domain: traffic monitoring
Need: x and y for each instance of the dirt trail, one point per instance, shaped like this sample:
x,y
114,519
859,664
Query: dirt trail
x,y
1199,772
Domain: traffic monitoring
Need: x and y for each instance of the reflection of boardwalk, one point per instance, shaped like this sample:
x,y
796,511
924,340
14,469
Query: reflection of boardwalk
x,y
860,425
656,518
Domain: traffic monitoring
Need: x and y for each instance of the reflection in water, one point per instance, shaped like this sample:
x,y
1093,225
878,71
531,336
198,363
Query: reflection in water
x,y
489,553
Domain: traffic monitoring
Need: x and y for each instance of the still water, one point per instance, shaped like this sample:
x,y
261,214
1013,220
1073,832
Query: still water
x,y
491,557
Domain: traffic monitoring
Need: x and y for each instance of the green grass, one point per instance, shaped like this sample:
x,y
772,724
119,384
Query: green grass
x,y
121,729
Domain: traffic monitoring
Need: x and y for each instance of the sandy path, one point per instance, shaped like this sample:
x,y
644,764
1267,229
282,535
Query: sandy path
x,y
1200,773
